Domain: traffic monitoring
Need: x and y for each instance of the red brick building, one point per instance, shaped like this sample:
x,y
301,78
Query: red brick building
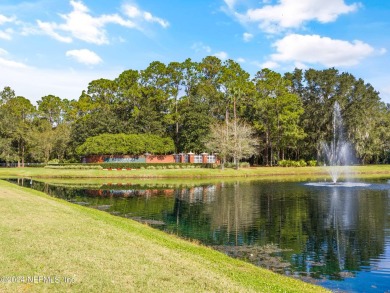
x,y
203,158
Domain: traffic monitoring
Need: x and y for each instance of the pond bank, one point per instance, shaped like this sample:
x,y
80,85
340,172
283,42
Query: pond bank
x,y
371,171
51,245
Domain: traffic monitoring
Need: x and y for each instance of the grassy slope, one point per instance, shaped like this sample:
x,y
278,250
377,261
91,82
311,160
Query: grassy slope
x,y
42,236
303,172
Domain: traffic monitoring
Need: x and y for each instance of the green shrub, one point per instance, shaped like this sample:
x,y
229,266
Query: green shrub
x,y
229,165
145,165
35,165
244,165
302,163
125,144
291,163
84,167
128,165
312,163
283,163
53,162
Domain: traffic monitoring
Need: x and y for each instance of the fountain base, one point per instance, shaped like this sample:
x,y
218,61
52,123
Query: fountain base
x,y
338,184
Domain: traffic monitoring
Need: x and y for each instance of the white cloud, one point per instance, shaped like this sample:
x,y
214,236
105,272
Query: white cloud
x,y
386,91
247,37
221,55
4,19
315,49
200,47
49,29
132,11
300,65
6,62
241,60
293,14
269,65
35,83
150,18
138,15
84,56
230,3
80,24
6,34
11,64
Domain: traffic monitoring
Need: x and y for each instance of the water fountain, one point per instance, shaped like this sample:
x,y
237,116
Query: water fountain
x,y
337,151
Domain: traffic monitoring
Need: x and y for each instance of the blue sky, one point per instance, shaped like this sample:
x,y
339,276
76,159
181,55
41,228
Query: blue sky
x,y
58,47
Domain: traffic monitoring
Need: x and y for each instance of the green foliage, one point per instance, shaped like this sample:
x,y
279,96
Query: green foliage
x,y
195,125
231,165
363,114
126,144
50,107
312,163
182,102
147,165
16,115
291,163
302,163
276,112
244,165
81,167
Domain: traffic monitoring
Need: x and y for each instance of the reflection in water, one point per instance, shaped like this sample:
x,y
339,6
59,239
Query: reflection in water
x,y
328,233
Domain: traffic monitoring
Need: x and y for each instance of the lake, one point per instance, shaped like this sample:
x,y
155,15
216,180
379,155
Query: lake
x,y
337,236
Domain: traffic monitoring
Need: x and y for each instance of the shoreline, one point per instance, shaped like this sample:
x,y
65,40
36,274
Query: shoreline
x,y
357,172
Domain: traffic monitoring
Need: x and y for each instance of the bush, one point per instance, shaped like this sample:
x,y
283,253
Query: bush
x,y
73,167
302,163
129,165
312,163
244,165
284,163
53,162
230,165
123,144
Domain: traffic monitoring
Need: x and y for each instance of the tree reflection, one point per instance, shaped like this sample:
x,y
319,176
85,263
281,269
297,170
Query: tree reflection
x,y
330,232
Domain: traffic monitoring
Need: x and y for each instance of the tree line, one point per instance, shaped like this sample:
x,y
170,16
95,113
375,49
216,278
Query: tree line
x,y
211,105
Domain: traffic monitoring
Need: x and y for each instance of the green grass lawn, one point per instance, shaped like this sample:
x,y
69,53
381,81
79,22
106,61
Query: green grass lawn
x,y
43,237
300,173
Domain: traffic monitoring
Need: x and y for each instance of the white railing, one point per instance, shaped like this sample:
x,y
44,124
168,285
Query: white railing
x,y
211,159
198,159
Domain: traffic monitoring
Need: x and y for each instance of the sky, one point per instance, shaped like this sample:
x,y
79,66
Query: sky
x,y
57,47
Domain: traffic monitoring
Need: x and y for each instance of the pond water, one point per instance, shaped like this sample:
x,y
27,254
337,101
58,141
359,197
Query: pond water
x,y
337,236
